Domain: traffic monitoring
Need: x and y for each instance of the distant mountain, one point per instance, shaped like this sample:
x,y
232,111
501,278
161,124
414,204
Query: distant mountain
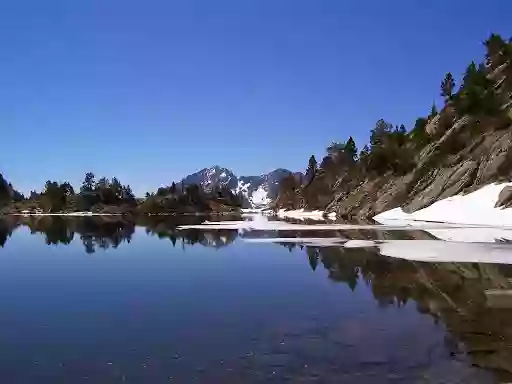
x,y
258,190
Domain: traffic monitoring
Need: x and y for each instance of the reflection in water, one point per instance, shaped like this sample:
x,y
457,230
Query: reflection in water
x,y
456,295
99,233
5,231
165,228
94,233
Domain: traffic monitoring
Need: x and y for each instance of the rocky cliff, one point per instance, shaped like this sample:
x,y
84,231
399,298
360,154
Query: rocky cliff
x,y
486,158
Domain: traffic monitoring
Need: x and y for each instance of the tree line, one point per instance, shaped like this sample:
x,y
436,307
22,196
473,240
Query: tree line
x,y
100,194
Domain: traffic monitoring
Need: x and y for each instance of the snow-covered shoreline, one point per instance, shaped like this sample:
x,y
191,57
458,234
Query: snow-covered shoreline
x,y
476,208
296,214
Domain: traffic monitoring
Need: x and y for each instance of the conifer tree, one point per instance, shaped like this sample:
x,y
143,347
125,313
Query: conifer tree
x,y
447,86
350,148
433,111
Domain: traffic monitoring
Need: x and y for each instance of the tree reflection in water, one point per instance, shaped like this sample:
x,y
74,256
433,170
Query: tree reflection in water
x,y
7,226
104,233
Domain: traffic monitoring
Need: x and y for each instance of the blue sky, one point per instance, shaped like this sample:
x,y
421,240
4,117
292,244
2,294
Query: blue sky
x,y
150,91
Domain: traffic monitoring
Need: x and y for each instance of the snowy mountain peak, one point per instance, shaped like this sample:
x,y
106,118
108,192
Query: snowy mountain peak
x,y
259,190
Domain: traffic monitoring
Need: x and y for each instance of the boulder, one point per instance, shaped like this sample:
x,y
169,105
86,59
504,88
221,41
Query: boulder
x,y
504,198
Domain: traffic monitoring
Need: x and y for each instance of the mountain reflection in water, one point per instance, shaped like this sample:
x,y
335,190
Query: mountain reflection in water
x,y
457,295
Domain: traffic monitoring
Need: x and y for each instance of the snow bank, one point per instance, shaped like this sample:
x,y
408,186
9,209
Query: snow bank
x,y
301,214
474,208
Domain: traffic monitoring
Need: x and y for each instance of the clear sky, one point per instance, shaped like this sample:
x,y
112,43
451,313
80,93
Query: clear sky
x,y
151,91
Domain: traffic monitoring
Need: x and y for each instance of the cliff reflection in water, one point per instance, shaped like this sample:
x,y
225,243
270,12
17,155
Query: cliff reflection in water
x,y
456,295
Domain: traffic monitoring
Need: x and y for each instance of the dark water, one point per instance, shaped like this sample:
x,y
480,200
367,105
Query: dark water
x,y
104,302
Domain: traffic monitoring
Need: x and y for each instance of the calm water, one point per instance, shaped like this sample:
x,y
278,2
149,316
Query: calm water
x,y
86,301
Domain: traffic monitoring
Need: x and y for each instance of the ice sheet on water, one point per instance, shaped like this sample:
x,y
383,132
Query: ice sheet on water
x,y
261,222
457,243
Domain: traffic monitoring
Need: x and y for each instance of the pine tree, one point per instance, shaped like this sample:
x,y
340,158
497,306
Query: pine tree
x,y
172,188
447,86
470,75
312,164
433,111
311,170
419,134
496,47
350,149
380,132
88,183
364,156
117,187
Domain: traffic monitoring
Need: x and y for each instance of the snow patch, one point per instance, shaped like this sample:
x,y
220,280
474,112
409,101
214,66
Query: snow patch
x,y
474,208
260,197
242,187
301,214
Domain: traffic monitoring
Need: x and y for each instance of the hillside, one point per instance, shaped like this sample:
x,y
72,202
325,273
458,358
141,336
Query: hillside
x,y
460,148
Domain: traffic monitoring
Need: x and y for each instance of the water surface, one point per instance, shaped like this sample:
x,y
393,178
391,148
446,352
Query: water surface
x,y
85,300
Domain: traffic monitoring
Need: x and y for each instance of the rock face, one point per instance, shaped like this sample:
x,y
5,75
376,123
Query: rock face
x,y
259,190
208,178
486,158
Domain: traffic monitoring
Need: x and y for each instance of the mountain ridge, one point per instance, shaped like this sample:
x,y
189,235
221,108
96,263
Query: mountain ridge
x,y
257,190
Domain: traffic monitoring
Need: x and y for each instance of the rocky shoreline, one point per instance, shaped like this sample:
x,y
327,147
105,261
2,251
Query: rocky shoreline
x,y
486,159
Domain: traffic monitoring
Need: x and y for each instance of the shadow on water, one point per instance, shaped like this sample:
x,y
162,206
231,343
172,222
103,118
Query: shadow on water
x,y
456,295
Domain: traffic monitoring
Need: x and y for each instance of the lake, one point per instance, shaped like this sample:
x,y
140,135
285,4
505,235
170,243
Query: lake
x,y
86,300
